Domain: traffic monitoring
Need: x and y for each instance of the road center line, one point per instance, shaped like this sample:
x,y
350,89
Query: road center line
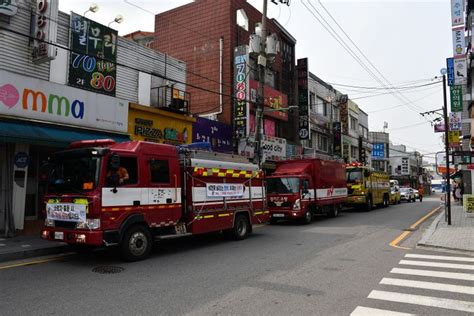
x,y
429,285
447,258
423,300
435,274
437,264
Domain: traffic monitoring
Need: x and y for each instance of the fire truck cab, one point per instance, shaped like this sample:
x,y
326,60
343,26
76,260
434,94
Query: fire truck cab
x,y
133,193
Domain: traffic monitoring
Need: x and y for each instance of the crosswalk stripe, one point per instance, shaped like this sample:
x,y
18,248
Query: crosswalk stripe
x,y
436,274
437,264
367,311
448,258
429,285
423,300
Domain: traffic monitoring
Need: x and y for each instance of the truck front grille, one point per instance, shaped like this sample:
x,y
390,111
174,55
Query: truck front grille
x,y
284,204
64,224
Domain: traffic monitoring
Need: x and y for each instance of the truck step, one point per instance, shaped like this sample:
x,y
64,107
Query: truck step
x,y
173,236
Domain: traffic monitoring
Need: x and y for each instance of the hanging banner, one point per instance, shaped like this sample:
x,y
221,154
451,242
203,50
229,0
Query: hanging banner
x,y
456,98
457,12
303,72
455,121
459,43
460,71
224,189
241,92
453,138
450,71
439,128
92,62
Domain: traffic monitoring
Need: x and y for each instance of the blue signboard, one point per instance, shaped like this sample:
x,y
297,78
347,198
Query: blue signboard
x,y
450,69
378,151
219,135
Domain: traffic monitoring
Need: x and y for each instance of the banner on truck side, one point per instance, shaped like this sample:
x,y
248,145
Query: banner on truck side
x,y
68,212
224,189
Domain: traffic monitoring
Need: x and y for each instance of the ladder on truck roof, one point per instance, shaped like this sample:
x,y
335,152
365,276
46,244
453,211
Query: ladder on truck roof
x,y
208,159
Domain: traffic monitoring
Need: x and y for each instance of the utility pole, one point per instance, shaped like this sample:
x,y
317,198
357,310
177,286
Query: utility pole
x,y
262,63
446,144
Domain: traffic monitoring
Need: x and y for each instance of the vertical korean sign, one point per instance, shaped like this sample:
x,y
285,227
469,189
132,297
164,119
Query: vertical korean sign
x,y
456,98
92,63
457,12
450,70
45,30
241,92
302,68
459,43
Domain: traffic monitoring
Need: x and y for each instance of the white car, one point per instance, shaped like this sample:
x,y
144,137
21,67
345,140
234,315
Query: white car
x,y
407,194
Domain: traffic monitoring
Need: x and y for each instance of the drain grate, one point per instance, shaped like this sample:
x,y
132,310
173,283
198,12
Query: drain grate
x,y
107,269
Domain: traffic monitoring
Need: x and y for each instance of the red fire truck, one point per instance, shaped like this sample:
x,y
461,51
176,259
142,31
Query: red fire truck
x,y
130,194
300,188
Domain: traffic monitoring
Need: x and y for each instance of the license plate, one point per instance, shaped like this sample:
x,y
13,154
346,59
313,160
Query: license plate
x,y
278,215
59,235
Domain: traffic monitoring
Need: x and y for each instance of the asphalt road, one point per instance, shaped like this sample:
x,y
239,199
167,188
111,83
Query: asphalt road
x,y
326,268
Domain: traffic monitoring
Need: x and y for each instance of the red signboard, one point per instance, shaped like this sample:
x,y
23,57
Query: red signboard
x,y
274,100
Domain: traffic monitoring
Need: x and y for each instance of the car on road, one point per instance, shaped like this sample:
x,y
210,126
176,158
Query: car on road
x,y
407,194
417,194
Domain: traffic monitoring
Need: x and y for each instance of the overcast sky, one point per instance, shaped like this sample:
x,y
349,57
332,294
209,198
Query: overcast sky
x,y
407,41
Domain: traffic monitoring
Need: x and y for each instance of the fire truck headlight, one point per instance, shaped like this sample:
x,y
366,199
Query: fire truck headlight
x,y
91,223
297,205
48,222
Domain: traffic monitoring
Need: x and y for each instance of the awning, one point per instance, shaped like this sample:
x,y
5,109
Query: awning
x,y
40,134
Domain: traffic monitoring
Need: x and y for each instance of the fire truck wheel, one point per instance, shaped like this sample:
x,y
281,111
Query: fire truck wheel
x,y
334,211
241,227
308,217
136,244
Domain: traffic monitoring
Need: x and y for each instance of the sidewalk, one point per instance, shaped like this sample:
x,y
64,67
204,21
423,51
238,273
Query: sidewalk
x,y
22,247
458,236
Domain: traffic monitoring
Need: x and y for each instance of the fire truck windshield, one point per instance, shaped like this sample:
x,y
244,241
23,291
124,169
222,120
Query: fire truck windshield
x,y
354,175
283,185
74,173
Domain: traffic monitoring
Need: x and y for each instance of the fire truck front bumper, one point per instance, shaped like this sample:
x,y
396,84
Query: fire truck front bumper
x,y
86,237
285,214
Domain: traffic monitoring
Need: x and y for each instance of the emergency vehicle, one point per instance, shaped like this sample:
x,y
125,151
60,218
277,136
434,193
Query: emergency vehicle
x,y
168,194
367,187
301,188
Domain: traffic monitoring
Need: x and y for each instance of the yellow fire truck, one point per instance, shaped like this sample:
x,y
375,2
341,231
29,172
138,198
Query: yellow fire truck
x,y
366,187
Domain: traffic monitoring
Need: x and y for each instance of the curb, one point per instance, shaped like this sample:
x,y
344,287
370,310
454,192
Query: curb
x,y
434,247
30,253
430,231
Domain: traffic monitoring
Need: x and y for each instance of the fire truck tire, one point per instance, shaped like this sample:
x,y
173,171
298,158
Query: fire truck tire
x,y
334,211
273,221
136,243
308,217
241,227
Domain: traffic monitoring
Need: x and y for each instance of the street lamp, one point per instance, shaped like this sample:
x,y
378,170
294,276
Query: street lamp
x,y
118,19
93,8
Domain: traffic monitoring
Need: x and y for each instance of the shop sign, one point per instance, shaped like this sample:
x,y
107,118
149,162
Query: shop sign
x,y
336,131
273,148
218,134
45,31
378,151
453,138
456,98
241,92
344,115
455,121
224,189
31,98
273,101
450,71
457,12
303,72
293,150
459,43
22,160
468,203
8,7
439,128
146,129
460,71
92,62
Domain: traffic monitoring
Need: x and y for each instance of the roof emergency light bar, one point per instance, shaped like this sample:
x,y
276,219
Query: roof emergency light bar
x,y
92,143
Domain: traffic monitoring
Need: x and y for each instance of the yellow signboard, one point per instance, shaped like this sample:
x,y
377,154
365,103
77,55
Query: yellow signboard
x,y
453,137
468,203
159,126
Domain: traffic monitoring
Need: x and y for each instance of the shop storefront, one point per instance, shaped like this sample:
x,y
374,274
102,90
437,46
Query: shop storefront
x,y
159,126
37,118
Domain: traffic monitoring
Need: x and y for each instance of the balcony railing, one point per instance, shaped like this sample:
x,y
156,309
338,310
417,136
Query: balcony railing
x,y
171,99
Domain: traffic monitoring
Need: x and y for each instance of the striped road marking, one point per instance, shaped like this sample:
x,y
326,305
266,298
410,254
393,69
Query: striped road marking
x,y
367,311
437,264
439,302
435,274
464,259
429,285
